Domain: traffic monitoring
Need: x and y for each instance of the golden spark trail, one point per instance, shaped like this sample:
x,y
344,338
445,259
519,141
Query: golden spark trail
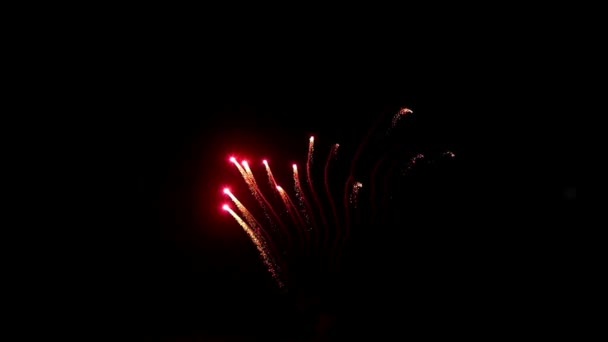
x,y
259,192
264,202
272,267
293,213
254,224
246,167
290,206
271,180
249,174
254,185
244,211
244,174
255,189
286,203
401,113
354,199
311,148
248,177
312,189
306,210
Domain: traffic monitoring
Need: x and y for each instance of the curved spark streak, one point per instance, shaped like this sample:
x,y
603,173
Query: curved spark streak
x,y
263,202
312,188
272,267
262,234
271,180
253,223
304,205
293,213
401,113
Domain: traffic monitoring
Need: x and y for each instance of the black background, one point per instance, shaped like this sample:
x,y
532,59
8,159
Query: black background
x,y
476,244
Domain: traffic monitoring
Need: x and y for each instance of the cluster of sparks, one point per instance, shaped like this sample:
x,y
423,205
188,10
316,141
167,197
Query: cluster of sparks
x,y
354,195
400,114
258,242
304,211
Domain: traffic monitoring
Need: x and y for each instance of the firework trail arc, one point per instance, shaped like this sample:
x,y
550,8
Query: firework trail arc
x,y
302,217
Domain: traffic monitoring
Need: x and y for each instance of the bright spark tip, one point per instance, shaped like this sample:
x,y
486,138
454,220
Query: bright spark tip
x,y
232,159
244,162
226,190
279,188
225,207
294,166
312,138
265,162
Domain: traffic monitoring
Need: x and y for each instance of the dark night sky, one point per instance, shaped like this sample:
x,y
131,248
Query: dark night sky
x,y
479,240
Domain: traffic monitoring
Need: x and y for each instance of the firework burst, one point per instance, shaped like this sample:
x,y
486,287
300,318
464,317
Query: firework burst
x,y
311,231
